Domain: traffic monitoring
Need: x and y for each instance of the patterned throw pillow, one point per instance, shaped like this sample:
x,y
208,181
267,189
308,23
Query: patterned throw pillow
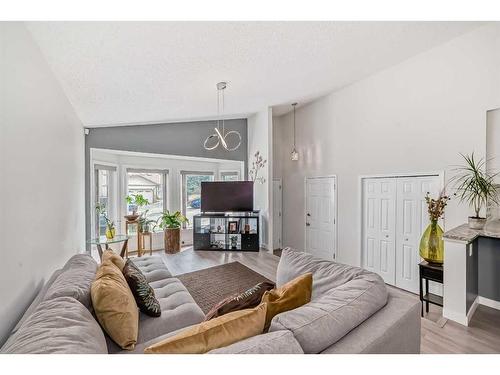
x,y
246,300
143,293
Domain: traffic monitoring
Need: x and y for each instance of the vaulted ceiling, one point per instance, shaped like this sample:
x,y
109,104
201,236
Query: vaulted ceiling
x,y
145,72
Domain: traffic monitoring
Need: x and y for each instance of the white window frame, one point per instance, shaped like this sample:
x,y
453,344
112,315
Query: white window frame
x,y
112,194
184,174
163,172
229,173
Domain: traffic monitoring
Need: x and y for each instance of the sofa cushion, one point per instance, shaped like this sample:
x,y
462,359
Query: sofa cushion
x,y
152,267
216,333
36,301
326,273
143,293
289,296
278,342
75,280
115,306
59,325
337,308
178,310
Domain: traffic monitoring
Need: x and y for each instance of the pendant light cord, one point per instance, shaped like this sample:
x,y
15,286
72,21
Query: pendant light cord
x,y
294,125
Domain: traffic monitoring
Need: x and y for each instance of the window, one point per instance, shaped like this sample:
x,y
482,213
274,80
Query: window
x,y
191,193
152,185
230,176
104,195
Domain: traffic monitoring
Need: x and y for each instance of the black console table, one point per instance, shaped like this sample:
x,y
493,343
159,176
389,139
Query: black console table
x,y
428,272
230,231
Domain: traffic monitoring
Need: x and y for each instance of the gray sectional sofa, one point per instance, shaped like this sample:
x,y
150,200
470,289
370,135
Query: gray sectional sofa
x,y
351,311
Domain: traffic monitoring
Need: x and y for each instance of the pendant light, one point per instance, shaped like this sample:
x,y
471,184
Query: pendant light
x,y
294,155
230,140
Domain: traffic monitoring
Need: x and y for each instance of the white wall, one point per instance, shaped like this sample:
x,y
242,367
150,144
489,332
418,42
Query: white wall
x,y
260,139
41,174
414,117
493,143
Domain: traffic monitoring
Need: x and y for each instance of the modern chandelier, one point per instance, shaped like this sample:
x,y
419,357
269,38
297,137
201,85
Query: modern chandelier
x,y
294,155
230,140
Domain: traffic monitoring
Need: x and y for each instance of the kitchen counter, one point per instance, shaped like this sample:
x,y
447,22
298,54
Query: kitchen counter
x,y
464,234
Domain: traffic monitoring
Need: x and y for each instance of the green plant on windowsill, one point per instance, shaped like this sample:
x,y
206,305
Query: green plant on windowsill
x,y
171,224
100,209
137,201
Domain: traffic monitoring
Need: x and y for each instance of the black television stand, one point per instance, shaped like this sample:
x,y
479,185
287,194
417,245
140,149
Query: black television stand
x,y
226,231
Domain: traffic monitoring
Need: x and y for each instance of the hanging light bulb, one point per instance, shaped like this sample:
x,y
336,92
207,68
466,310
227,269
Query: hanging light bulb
x,y
294,155
230,140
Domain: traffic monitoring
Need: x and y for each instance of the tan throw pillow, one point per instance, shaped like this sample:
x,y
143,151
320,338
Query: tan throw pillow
x,y
115,306
216,333
114,258
289,296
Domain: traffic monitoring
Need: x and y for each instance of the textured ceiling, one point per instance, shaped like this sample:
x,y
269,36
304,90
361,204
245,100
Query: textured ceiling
x,y
144,72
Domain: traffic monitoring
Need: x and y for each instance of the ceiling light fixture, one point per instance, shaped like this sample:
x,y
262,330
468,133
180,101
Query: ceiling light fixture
x,y
294,155
230,140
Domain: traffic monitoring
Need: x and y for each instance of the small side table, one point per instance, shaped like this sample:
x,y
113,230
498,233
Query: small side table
x,y
129,223
106,242
150,237
434,273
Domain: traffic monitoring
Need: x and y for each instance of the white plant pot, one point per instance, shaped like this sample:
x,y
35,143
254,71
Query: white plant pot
x,y
477,222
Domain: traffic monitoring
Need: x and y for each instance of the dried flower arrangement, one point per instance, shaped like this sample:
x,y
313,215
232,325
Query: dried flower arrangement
x,y
435,207
257,165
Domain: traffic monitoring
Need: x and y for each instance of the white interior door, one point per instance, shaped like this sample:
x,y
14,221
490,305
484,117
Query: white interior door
x,y
379,218
277,214
412,219
321,217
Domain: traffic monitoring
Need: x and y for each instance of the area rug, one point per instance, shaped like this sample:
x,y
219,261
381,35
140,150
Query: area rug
x,y
212,285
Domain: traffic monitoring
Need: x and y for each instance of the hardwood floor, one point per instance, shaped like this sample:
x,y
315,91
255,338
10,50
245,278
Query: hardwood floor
x,y
438,335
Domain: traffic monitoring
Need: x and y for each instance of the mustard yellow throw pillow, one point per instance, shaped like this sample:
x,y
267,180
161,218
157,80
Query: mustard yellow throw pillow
x,y
115,306
289,296
216,333
114,258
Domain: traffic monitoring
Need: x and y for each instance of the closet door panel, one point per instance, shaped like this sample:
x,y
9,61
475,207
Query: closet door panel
x,y
370,224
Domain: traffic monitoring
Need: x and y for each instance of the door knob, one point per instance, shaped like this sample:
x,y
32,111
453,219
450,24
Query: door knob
x,y
386,236
308,225
308,214
406,239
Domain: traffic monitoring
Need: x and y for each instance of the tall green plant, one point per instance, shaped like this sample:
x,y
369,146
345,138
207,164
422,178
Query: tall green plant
x,y
171,220
474,185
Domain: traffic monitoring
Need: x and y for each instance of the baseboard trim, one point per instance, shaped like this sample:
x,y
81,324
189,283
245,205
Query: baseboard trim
x,y
489,302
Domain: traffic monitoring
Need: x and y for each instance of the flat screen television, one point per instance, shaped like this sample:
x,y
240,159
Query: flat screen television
x,y
223,196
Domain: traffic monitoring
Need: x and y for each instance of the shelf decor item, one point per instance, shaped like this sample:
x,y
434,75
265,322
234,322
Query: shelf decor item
x,y
171,224
431,243
110,225
234,242
232,227
476,187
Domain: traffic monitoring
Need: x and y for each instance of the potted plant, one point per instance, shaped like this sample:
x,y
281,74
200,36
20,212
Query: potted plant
x,y
145,223
136,201
476,187
431,243
171,224
110,226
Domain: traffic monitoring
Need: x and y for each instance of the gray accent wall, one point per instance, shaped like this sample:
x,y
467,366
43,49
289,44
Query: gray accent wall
x,y
489,267
183,139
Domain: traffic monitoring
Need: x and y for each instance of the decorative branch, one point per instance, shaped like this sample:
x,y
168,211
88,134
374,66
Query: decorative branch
x,y
257,165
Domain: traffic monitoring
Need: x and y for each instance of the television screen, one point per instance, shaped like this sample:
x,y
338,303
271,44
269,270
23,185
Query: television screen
x,y
226,196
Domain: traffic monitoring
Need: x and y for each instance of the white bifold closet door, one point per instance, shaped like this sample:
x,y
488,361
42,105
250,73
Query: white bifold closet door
x,y
395,216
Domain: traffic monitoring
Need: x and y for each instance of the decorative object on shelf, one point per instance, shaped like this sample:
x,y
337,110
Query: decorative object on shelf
x,y
110,225
234,241
247,229
230,140
476,187
145,223
232,227
171,224
219,229
431,243
257,165
294,155
136,201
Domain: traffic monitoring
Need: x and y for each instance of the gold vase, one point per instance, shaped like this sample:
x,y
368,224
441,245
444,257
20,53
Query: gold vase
x,y
110,233
432,244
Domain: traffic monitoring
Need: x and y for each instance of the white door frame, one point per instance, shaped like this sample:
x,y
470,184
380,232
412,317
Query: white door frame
x,y
439,174
281,221
335,213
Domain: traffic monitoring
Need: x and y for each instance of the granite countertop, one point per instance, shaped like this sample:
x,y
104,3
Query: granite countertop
x,y
465,234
